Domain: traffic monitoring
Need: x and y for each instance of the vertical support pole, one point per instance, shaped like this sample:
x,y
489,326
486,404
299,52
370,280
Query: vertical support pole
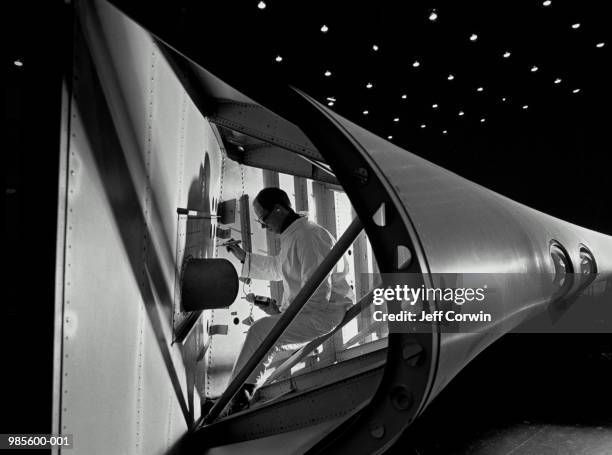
x,y
326,217
300,189
361,262
270,179
326,207
245,223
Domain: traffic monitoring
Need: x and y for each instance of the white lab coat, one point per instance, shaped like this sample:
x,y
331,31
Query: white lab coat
x,y
303,247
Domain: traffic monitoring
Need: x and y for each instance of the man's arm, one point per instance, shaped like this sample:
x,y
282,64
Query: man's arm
x,y
262,267
257,266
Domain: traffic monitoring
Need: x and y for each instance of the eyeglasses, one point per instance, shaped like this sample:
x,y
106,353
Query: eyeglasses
x,y
262,220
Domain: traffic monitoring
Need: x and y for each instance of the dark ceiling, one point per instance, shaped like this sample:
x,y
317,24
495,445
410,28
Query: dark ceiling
x,y
535,35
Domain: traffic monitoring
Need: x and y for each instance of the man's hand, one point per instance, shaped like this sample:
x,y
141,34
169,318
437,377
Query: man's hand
x,y
237,251
270,309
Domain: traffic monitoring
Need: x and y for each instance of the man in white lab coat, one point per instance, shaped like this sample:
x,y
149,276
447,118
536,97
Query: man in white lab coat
x,y
303,246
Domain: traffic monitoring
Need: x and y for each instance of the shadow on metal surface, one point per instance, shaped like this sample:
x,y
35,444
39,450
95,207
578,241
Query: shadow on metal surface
x,y
128,215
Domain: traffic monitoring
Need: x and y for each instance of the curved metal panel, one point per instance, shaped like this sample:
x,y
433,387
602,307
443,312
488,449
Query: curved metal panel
x,y
466,228
454,226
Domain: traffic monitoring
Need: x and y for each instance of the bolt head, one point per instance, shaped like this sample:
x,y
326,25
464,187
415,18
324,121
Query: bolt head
x,y
377,429
361,174
401,398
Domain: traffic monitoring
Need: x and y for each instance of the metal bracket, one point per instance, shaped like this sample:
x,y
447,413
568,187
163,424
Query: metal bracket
x,y
195,213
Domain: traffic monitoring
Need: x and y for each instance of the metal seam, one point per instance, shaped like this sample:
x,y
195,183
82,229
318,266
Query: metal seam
x,y
66,296
146,240
209,353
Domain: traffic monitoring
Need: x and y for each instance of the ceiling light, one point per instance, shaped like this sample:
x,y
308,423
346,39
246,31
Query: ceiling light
x,y
433,15
507,54
369,85
331,103
558,80
396,119
279,58
324,29
546,3
366,112
525,106
435,106
461,113
534,69
576,26
375,47
600,45
479,89
504,99
404,97
473,37
576,90
331,98
389,137
327,73
423,125
482,120
416,64
261,5
444,132
18,63
450,77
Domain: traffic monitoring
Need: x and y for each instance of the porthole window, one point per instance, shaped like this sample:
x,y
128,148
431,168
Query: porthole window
x,y
563,269
588,266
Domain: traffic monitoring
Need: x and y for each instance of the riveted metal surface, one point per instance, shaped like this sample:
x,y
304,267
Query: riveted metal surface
x,y
237,180
224,106
323,404
70,79
87,324
307,380
255,121
270,157
124,388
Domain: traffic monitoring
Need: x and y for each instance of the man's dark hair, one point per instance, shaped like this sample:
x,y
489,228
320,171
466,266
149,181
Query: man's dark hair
x,y
269,197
